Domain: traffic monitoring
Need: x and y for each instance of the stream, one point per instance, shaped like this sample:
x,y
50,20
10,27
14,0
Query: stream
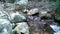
x,y
56,28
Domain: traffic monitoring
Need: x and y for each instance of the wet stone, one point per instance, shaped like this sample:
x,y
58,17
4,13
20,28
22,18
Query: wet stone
x,y
21,28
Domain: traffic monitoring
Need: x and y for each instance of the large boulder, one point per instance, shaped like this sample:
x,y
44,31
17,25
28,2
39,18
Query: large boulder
x,y
16,17
13,14
5,27
21,28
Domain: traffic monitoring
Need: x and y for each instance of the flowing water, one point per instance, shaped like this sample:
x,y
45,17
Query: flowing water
x,y
56,28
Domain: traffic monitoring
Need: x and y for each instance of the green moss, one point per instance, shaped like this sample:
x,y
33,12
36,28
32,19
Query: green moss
x,y
10,1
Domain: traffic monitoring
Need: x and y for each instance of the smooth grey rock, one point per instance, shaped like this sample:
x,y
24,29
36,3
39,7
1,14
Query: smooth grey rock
x,y
16,17
32,11
45,13
42,13
13,16
22,27
5,27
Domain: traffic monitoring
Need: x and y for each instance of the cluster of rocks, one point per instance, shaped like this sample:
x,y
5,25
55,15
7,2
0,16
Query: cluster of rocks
x,y
12,20
15,18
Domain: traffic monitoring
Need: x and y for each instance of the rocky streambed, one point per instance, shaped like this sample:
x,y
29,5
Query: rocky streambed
x,y
18,18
